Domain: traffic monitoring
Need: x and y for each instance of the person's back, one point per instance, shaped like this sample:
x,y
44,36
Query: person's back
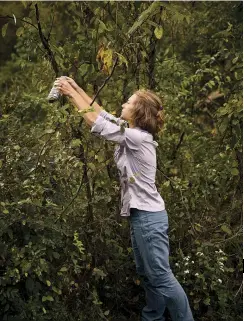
x,y
139,167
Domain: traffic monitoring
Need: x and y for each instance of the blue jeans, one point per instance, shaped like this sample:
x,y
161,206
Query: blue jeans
x,y
150,245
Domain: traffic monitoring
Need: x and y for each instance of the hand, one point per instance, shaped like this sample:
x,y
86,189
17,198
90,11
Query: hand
x,y
64,86
70,81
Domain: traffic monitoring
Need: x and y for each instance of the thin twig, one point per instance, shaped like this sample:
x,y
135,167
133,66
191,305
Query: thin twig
x,y
44,145
73,198
4,17
239,289
45,43
106,80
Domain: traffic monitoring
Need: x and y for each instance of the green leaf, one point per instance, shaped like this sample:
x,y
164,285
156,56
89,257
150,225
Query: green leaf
x,y
91,166
84,69
226,229
144,16
4,29
207,301
56,290
166,52
19,31
48,283
63,269
24,3
26,267
102,26
188,20
235,60
56,255
234,172
47,298
122,59
5,211
99,273
49,131
158,31
75,142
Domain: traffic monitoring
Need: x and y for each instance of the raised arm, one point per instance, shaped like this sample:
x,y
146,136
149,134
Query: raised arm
x,y
80,98
83,94
82,102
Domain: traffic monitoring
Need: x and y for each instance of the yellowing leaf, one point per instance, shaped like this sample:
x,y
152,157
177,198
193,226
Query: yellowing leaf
x,y
158,31
108,58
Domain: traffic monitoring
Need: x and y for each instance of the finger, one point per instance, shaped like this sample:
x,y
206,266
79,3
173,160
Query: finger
x,y
69,79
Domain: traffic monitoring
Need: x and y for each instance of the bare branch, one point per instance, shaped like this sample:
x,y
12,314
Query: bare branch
x,y
106,80
45,43
29,23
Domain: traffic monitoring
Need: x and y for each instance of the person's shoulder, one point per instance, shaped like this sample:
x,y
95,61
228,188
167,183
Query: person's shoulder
x,y
148,139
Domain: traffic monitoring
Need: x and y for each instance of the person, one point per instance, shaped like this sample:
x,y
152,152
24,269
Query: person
x,y
135,156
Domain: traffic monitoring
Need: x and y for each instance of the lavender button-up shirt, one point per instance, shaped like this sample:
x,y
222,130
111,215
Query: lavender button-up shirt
x,y
135,157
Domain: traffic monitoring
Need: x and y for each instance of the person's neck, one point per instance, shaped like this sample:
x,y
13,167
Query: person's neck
x,y
131,125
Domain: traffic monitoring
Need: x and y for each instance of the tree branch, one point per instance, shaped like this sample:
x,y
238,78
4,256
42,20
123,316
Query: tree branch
x,y
45,43
178,145
29,23
106,80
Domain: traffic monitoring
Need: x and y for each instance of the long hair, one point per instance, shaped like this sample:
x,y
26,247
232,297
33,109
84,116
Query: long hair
x,y
148,113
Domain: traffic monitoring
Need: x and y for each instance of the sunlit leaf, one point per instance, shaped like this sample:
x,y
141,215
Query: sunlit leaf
x,y
158,31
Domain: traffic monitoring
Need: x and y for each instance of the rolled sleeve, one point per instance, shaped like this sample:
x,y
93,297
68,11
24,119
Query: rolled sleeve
x,y
117,133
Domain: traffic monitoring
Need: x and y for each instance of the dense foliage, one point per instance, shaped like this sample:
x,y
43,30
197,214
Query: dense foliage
x,y
65,253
